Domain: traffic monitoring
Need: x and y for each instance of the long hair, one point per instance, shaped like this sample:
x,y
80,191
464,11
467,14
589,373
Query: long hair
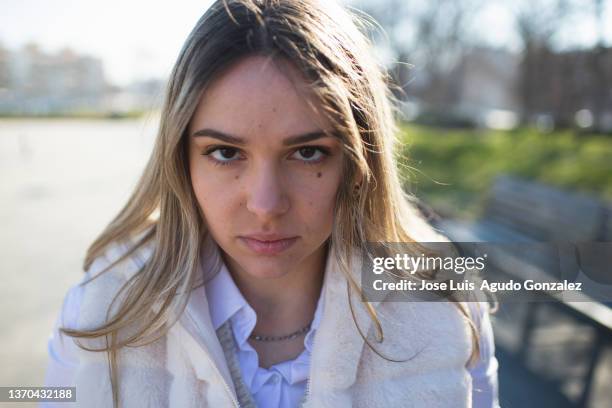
x,y
327,46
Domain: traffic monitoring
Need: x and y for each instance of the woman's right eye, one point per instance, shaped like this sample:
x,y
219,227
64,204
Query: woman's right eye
x,y
223,155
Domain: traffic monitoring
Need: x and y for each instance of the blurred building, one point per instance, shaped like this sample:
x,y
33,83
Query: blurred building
x,y
572,87
487,80
35,82
500,89
4,70
480,90
143,95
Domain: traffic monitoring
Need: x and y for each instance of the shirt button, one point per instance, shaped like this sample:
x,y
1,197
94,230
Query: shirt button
x,y
275,379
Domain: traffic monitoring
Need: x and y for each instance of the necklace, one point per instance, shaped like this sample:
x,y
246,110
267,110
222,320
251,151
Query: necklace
x,y
279,338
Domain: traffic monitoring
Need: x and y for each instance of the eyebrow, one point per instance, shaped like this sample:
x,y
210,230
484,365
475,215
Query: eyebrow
x,y
290,141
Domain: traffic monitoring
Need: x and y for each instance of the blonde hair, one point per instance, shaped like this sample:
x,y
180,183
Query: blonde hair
x,y
325,43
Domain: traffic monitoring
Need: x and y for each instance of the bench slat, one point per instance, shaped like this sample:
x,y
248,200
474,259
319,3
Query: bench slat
x,y
543,212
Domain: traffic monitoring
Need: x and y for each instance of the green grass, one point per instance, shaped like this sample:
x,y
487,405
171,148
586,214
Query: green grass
x,y
451,170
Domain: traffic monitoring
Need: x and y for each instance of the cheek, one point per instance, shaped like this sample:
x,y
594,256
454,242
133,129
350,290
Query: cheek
x,y
214,197
198,185
319,196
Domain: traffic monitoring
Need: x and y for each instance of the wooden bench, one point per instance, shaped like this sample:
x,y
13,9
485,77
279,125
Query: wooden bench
x,y
519,211
522,211
606,227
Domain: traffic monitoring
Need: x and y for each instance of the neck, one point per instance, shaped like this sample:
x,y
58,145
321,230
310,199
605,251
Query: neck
x,y
286,303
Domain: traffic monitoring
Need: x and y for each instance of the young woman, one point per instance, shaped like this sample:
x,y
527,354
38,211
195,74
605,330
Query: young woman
x,y
231,276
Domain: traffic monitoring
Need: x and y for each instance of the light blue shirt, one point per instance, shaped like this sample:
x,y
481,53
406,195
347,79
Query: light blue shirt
x,y
281,385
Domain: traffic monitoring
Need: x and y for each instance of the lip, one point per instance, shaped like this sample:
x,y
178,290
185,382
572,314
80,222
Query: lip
x,y
268,244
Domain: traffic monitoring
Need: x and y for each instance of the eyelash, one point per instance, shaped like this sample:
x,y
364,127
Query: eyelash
x,y
324,150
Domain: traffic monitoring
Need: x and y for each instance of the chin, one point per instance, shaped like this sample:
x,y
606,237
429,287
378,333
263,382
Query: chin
x,y
268,274
266,268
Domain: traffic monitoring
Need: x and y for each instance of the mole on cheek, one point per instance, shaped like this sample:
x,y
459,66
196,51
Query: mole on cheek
x,y
319,174
236,178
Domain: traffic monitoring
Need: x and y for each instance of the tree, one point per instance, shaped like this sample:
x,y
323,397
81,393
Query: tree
x,y
537,23
427,40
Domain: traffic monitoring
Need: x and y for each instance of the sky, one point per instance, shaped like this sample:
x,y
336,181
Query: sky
x,y
136,39
139,39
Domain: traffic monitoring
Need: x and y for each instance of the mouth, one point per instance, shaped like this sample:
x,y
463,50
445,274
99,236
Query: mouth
x,y
267,246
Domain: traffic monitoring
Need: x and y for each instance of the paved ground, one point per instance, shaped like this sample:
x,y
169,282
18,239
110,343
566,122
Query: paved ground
x,y
557,361
60,183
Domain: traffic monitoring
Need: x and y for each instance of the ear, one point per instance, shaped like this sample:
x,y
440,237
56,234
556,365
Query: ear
x,y
358,181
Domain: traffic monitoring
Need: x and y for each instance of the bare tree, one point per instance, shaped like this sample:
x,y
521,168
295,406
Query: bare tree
x,y
602,96
427,40
537,24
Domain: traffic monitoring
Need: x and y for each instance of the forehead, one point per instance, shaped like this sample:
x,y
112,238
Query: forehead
x,y
259,97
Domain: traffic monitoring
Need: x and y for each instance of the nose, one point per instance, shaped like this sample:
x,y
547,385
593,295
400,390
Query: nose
x,y
266,195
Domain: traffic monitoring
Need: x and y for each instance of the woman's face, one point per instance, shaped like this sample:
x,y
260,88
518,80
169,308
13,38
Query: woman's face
x,y
263,172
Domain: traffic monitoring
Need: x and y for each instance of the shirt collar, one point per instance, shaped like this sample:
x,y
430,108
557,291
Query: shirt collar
x,y
224,297
227,302
315,322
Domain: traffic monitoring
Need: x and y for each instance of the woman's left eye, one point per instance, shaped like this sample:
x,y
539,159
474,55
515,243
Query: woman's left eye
x,y
310,154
